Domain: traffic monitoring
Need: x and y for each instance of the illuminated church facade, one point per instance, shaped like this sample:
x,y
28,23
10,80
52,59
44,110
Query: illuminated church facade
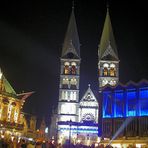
x,y
88,118
77,118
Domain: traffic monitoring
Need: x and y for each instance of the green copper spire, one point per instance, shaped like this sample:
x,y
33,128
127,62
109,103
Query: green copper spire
x,y
107,48
71,42
5,85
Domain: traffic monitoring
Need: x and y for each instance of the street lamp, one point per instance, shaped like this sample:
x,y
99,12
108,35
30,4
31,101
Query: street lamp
x,y
70,132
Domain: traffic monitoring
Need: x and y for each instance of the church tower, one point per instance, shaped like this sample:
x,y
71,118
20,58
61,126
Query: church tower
x,y
69,74
108,61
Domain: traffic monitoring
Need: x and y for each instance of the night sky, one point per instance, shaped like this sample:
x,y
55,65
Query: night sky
x,y
32,34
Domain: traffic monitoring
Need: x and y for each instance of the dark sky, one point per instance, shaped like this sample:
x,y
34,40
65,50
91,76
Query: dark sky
x,y
32,34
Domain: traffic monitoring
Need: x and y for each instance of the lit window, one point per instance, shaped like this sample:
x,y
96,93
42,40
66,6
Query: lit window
x,y
105,65
66,95
66,69
71,95
9,112
65,81
112,65
74,96
62,96
112,71
105,71
73,64
15,116
112,82
68,108
73,69
104,82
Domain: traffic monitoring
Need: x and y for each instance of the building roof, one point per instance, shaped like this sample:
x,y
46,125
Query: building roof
x,y
128,85
5,85
89,97
107,47
6,88
71,41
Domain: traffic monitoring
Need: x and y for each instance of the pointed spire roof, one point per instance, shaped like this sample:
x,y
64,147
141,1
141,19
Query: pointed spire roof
x,y
71,41
89,97
5,85
107,48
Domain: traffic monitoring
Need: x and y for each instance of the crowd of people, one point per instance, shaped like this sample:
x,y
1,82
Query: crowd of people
x,y
22,143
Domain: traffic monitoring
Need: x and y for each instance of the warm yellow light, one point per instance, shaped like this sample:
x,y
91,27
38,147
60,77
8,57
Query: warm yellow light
x,y
2,136
0,74
96,144
117,145
139,145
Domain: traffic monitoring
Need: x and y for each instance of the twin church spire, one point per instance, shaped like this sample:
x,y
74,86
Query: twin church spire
x,y
108,63
71,46
72,111
107,47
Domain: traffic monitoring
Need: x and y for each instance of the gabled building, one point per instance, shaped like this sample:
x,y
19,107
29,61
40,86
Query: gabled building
x,y
12,120
78,118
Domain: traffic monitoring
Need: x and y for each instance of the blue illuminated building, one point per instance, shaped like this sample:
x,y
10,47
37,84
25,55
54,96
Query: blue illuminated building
x,y
123,102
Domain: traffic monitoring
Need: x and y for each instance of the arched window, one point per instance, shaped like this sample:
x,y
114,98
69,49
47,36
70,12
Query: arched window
x,y
73,83
73,68
66,95
104,82
65,82
66,68
74,96
62,95
71,95
112,72
105,71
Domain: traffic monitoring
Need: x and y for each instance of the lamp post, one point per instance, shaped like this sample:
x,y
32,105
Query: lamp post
x,y
70,132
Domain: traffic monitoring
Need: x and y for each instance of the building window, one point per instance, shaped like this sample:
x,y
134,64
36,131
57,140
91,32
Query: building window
x,y
65,83
107,105
73,68
73,83
119,104
112,72
131,103
105,71
66,68
74,95
143,95
104,82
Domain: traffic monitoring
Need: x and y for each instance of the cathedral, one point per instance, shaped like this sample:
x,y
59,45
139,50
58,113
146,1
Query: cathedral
x,y
117,116
77,118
